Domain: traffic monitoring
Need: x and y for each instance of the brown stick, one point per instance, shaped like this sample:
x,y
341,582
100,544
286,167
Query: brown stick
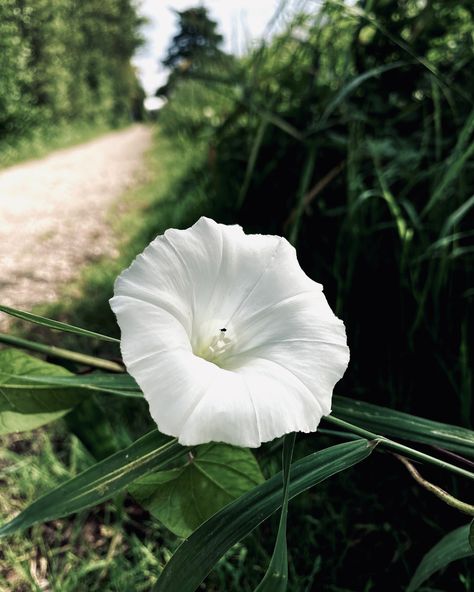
x,y
316,190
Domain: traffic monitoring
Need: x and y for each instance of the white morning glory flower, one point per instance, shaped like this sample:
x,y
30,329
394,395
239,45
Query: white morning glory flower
x,y
228,338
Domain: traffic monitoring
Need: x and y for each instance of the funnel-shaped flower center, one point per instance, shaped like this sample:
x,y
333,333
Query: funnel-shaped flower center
x,y
214,347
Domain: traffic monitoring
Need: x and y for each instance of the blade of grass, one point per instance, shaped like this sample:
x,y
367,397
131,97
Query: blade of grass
x,y
389,422
59,352
276,576
100,482
459,157
359,12
56,325
302,191
351,86
452,547
406,450
252,160
117,384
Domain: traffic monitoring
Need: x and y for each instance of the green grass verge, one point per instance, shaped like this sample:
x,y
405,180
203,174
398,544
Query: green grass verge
x,y
115,546
41,141
112,547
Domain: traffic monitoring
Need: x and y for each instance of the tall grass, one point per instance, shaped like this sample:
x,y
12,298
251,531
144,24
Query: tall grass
x,y
352,133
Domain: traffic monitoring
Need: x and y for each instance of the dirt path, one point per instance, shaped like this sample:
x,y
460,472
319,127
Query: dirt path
x,y
53,213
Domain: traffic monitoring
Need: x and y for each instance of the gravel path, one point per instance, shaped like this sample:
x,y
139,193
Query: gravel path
x,y
54,214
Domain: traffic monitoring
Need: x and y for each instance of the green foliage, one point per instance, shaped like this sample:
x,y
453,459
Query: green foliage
x,y
52,324
101,550
184,497
36,142
62,61
100,482
389,422
452,547
25,406
276,576
351,133
197,555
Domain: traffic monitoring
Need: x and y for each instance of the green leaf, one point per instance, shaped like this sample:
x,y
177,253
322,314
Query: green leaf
x,y
100,482
460,155
198,554
183,498
388,422
276,576
453,546
118,384
353,84
24,406
51,324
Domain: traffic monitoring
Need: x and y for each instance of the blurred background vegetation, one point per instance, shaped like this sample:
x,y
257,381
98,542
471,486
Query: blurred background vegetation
x,y
65,71
351,132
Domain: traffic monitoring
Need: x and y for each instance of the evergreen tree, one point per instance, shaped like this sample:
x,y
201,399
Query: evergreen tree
x,y
195,47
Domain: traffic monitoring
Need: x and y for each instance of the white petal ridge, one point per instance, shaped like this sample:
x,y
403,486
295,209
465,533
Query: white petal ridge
x,y
280,348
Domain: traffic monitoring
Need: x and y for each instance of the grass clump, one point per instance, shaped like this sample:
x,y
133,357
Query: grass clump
x,y
112,547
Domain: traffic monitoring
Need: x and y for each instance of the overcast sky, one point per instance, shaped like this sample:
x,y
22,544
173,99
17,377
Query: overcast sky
x,y
241,22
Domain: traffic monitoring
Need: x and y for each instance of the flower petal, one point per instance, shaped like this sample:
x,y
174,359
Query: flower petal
x,y
225,413
277,361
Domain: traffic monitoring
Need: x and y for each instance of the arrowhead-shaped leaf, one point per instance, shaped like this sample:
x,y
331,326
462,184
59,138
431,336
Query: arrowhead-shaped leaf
x,y
183,498
25,406
198,554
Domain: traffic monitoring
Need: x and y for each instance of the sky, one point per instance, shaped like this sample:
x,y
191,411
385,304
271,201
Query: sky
x,y
241,22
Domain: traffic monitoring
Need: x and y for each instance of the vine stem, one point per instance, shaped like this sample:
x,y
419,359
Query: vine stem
x,y
443,495
406,450
59,352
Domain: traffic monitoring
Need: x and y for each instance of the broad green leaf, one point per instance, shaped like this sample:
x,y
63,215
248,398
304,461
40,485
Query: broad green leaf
x,y
183,498
276,576
198,554
453,546
388,422
100,482
51,324
24,406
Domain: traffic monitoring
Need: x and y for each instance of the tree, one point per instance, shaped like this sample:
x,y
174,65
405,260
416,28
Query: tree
x,y
194,47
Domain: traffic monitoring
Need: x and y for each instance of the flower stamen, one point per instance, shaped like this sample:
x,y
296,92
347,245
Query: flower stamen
x,y
219,345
